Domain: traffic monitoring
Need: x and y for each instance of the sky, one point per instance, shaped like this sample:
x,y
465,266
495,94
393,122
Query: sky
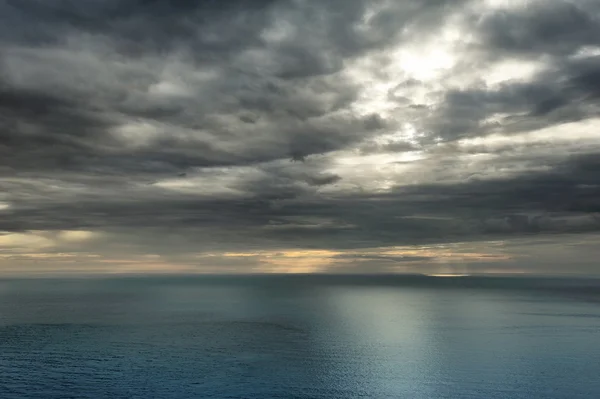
x,y
300,136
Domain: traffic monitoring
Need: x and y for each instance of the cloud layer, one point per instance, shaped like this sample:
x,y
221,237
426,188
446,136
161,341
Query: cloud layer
x,y
186,131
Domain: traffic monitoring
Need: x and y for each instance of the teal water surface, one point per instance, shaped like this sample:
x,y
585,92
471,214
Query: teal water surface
x,y
299,337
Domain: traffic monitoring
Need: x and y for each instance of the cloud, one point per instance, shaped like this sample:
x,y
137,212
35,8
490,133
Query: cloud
x,y
180,128
540,27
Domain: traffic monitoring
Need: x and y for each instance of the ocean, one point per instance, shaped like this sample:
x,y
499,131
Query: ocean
x,y
300,337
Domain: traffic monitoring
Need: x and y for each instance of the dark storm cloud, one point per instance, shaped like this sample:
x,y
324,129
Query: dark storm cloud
x,y
185,126
101,59
123,44
323,179
556,28
138,24
564,200
42,130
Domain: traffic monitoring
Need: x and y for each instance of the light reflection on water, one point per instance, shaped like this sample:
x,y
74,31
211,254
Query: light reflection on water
x,y
298,338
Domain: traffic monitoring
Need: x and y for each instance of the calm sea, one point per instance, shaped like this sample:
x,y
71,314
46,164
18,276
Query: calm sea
x,y
300,337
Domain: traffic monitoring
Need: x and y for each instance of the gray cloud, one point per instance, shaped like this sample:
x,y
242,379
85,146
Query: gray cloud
x,y
179,127
556,28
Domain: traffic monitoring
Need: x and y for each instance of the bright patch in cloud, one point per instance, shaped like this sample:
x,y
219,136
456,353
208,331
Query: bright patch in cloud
x,y
576,132
76,235
138,134
511,70
25,241
505,4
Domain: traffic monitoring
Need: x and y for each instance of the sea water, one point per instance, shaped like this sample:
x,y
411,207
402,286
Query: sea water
x,y
299,337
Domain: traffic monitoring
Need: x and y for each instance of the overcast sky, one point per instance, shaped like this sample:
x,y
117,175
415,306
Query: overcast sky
x,y
300,136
